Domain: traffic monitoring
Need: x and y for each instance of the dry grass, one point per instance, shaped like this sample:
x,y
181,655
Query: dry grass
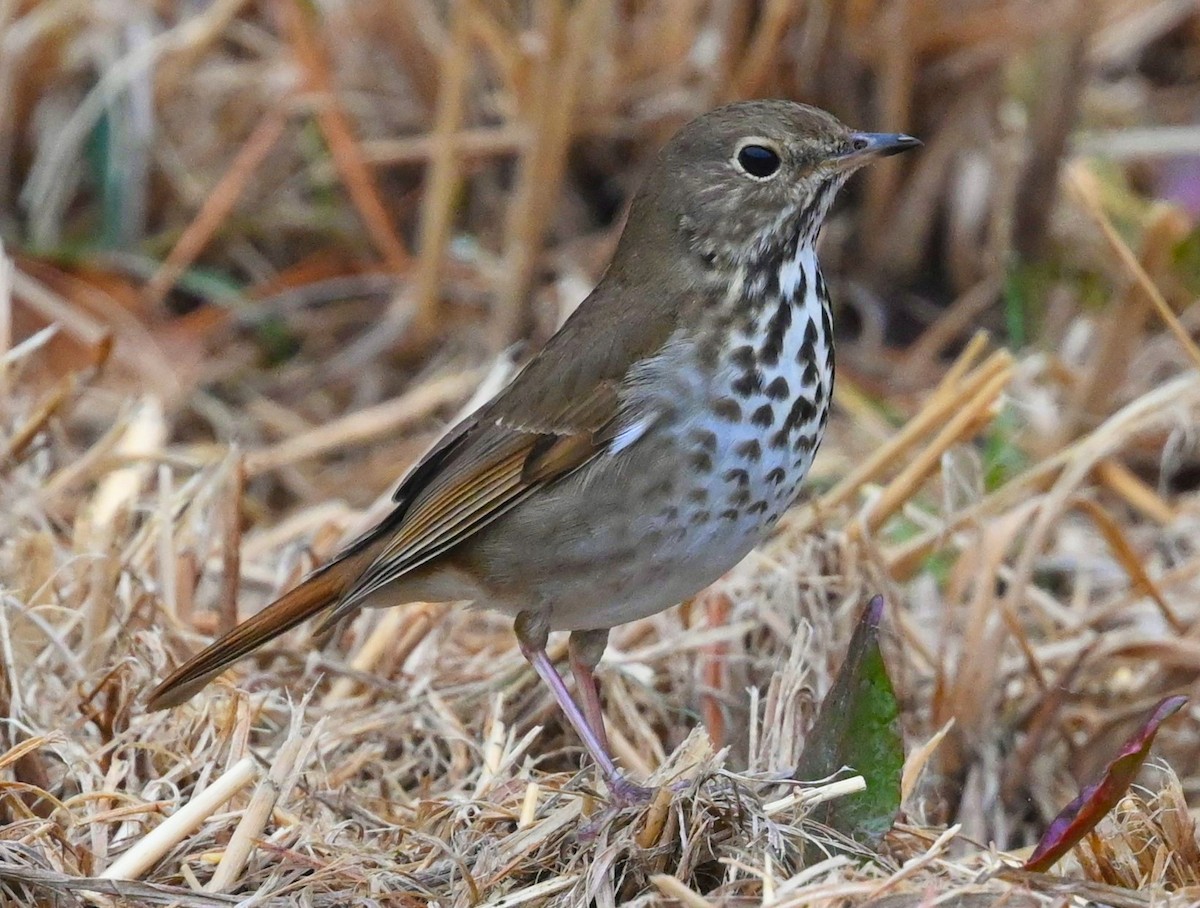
x,y
278,252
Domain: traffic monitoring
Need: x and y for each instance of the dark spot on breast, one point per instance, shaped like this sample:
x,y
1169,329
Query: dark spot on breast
x,y
730,514
776,476
670,513
738,475
751,450
705,439
738,497
727,408
759,507
771,284
777,328
804,443
811,375
664,488
698,496
801,285
803,411
743,357
809,345
781,438
763,416
778,388
749,383
701,517
702,461
770,350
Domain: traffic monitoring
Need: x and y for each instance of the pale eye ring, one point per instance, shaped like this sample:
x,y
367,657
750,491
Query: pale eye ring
x,y
758,159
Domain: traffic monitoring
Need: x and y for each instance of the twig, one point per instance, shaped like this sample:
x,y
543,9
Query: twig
x,y
383,636
364,425
217,206
231,543
335,126
964,422
1124,483
937,409
171,831
1084,188
437,206
292,753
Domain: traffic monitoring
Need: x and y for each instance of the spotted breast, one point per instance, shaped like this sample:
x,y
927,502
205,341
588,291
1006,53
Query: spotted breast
x,y
739,424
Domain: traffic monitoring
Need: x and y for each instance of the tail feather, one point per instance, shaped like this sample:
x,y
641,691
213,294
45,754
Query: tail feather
x,y
313,595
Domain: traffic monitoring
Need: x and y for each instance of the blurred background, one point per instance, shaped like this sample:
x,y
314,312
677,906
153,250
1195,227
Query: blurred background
x,y
313,229
334,197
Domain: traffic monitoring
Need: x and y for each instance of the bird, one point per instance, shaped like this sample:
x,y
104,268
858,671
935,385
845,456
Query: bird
x,y
654,440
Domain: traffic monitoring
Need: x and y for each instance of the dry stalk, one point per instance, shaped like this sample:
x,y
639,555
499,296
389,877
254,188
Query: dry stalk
x,y
143,437
335,125
437,206
947,399
364,425
288,759
1084,188
569,35
1123,326
918,758
171,831
217,206
372,650
464,143
1129,560
676,889
231,542
969,416
1125,484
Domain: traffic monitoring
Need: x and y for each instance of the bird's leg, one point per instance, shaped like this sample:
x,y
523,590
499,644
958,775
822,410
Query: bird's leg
x,y
585,649
532,632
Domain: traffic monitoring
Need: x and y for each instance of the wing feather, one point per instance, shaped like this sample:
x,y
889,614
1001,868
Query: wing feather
x,y
493,466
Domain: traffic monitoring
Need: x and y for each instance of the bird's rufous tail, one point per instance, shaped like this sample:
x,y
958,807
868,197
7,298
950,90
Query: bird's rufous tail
x,y
314,594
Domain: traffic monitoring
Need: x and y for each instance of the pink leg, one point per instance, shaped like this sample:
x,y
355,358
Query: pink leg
x,y
586,648
532,633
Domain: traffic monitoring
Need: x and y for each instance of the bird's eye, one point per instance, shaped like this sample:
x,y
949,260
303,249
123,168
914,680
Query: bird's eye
x,y
759,161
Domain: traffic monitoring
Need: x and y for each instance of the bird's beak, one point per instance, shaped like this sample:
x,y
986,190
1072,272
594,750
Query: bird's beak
x,y
866,146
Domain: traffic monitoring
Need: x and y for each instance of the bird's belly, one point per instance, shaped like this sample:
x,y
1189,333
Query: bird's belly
x,y
619,546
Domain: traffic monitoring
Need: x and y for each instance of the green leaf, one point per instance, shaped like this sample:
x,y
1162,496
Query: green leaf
x,y
1080,817
857,727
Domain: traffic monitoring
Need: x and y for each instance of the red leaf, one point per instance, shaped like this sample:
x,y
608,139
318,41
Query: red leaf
x,y
1080,817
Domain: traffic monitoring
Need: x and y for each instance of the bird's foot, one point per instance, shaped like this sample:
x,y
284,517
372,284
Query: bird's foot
x,y
627,793
630,794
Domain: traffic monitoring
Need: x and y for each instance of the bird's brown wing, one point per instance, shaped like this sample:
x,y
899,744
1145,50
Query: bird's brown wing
x,y
491,467
481,469
561,411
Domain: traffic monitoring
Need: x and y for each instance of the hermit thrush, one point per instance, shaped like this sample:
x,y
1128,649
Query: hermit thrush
x,y
654,440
